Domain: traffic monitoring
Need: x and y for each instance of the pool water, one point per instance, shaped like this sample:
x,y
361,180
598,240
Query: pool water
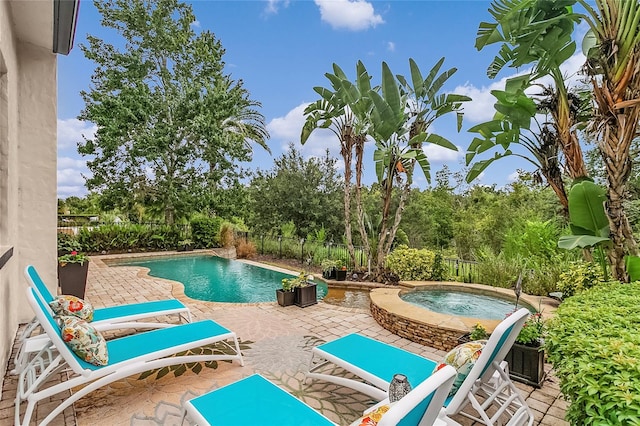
x,y
215,279
460,303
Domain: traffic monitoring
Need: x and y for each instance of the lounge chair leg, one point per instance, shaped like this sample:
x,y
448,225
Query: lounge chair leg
x,y
237,344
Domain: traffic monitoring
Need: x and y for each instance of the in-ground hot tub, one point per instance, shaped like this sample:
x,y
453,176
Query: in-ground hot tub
x,y
442,330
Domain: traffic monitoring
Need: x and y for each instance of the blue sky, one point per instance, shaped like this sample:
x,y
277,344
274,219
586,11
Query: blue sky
x,y
281,49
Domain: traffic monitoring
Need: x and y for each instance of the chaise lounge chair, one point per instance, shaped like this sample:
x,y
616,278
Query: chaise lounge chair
x,y
109,318
487,384
127,356
255,400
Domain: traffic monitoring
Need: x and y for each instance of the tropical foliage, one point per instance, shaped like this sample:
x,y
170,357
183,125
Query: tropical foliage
x,y
397,116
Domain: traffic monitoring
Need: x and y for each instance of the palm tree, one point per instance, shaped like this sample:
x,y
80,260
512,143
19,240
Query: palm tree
x,y
612,47
343,110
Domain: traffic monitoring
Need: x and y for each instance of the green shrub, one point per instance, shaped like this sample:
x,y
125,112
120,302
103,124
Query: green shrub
x,y
532,239
128,237
205,231
594,346
578,277
411,264
439,270
538,279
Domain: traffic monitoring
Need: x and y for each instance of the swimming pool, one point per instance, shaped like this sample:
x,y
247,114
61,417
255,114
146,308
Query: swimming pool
x,y
215,279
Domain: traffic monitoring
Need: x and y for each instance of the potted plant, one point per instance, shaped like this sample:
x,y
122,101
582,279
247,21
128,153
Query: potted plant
x,y
185,245
72,273
286,295
306,293
478,332
329,268
341,274
526,357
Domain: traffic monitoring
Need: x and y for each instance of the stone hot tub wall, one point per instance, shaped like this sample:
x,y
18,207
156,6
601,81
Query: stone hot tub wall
x,y
440,331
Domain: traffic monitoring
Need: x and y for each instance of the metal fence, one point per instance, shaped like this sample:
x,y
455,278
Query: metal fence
x,y
464,270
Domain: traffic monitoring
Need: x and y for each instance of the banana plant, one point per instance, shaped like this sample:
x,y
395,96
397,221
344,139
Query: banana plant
x,y
539,34
515,123
612,47
400,119
589,224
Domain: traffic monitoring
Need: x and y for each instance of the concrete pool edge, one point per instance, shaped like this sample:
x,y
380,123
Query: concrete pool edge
x,y
432,328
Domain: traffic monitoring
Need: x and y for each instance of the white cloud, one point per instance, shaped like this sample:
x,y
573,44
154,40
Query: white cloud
x,y
69,176
513,176
354,15
288,129
438,154
391,46
71,163
71,130
274,5
68,191
195,24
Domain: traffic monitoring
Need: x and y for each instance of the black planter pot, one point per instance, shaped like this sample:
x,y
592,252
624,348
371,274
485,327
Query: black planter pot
x,y
306,296
285,298
72,278
526,364
185,247
341,275
330,274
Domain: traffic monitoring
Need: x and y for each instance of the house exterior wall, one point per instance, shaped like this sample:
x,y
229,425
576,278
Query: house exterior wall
x,y
28,199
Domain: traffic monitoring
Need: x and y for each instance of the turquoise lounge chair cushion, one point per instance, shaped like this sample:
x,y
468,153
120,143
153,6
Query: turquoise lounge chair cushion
x,y
254,401
142,309
365,353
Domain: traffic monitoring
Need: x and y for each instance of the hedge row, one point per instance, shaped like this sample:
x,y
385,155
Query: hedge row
x,y
594,344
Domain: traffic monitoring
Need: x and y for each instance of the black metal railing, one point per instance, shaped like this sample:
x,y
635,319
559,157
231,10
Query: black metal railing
x,y
463,270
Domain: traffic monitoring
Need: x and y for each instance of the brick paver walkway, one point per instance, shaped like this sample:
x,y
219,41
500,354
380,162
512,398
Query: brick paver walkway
x,y
276,341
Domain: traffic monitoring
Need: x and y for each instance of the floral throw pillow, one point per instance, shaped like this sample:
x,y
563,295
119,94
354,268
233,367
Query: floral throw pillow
x,y
463,357
372,418
83,339
72,305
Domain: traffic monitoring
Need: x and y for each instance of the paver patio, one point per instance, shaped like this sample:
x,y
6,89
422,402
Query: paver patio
x,y
276,343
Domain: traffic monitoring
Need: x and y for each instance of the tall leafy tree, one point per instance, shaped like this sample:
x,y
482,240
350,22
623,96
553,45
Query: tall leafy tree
x,y
515,123
169,120
304,192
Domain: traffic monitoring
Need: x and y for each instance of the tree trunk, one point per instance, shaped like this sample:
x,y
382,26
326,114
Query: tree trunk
x,y
364,236
387,193
614,147
346,152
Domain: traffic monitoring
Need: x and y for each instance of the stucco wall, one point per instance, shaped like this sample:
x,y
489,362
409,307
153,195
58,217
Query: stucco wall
x,y
28,163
